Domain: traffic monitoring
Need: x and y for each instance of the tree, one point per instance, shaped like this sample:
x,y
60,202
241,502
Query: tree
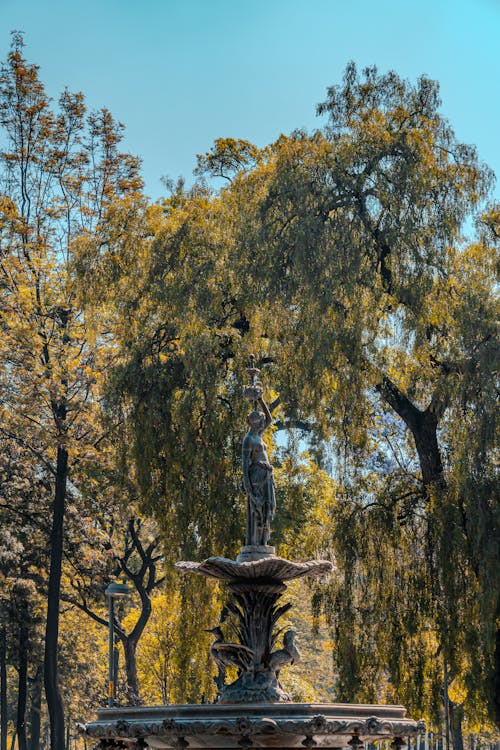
x,y
174,379
157,662
23,559
373,306
178,387
61,172
136,557
227,156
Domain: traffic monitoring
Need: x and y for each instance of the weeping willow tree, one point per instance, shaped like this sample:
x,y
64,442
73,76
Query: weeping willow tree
x,y
381,320
338,258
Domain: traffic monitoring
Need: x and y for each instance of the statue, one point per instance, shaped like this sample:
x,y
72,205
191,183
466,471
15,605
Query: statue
x,y
258,480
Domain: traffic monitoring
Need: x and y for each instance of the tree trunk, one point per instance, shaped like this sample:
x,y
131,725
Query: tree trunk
x,y
456,718
3,689
129,649
36,709
446,706
22,691
52,692
496,679
424,431
423,426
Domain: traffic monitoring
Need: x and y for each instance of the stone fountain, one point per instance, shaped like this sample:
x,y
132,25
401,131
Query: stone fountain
x,y
255,709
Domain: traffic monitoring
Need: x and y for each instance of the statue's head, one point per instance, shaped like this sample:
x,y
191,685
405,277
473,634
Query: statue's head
x,y
256,419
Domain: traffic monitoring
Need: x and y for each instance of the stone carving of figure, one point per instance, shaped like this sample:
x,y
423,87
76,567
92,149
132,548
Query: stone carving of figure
x,y
258,479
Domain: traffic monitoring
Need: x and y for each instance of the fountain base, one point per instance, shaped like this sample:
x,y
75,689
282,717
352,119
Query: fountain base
x,y
271,725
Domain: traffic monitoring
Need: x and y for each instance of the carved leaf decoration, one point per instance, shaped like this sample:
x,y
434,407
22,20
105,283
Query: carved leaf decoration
x,y
274,638
280,611
240,629
232,647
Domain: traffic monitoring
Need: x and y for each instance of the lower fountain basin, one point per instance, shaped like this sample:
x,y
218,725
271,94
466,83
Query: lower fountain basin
x,y
274,725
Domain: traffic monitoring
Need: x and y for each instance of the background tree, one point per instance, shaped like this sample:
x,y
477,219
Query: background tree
x,y
61,171
174,382
23,558
133,553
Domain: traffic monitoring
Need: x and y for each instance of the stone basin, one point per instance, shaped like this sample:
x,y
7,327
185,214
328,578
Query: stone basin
x,y
273,725
268,567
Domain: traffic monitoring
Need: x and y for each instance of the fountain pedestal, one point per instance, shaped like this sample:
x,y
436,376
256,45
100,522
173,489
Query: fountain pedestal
x,y
251,552
255,587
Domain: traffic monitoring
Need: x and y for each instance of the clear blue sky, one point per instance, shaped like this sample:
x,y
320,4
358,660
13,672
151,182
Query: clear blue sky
x,y
179,74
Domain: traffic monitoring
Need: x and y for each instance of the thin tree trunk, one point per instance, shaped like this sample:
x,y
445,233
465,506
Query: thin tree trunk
x,y
22,691
36,709
496,675
129,649
3,689
51,681
446,705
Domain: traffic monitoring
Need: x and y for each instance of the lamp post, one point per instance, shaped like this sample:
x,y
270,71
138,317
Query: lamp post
x,y
113,591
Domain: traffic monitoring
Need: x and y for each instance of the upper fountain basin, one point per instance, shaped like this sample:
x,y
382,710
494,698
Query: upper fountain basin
x,y
269,567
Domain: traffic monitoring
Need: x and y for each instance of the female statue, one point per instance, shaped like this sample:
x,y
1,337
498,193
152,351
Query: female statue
x,y
258,479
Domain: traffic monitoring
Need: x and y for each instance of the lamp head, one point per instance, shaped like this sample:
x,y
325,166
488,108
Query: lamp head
x,y
116,590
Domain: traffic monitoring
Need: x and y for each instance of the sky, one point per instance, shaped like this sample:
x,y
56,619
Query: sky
x,y
180,73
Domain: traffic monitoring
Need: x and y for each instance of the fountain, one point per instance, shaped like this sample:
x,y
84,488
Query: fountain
x,y
255,709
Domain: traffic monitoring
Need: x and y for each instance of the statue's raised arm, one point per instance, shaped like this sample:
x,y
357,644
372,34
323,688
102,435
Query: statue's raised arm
x,y
267,413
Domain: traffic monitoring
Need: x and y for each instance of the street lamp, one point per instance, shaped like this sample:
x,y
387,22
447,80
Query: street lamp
x,y
113,591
